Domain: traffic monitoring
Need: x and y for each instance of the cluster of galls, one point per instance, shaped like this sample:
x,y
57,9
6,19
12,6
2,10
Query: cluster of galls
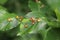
x,y
32,19
17,17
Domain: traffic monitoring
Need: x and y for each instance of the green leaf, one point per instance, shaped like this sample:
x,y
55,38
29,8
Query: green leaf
x,y
57,14
5,25
3,1
23,29
33,36
14,31
35,14
55,5
54,24
34,6
53,34
4,15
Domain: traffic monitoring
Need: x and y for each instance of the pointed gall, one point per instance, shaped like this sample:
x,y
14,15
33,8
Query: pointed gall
x,y
17,17
21,18
25,25
32,20
9,19
38,19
